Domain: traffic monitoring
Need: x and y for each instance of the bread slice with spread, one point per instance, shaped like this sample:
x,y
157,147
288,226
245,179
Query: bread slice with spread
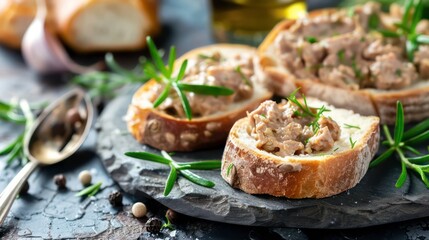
x,y
341,57
306,151
167,127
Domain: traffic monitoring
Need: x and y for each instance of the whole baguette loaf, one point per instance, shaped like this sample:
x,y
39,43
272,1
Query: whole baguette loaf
x,y
163,131
382,103
319,175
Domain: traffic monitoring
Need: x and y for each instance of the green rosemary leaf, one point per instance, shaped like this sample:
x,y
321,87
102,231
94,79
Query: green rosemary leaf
x,y
381,158
167,224
389,34
150,71
387,134
419,159
164,94
4,106
169,184
373,21
156,57
411,149
410,46
10,146
148,156
197,179
206,89
89,191
418,139
399,124
352,143
407,10
243,77
423,176
171,59
228,170
202,165
402,26
17,149
182,70
311,39
350,126
12,117
417,15
401,180
184,100
422,39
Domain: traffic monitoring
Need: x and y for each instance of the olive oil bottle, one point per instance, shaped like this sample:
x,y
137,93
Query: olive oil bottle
x,y
248,21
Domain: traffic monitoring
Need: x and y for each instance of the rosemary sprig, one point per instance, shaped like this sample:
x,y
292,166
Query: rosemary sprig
x,y
18,114
407,28
105,84
306,111
167,224
351,126
402,141
179,168
164,75
89,191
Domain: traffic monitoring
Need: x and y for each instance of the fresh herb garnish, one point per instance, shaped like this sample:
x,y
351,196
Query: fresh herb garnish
x,y
341,55
263,115
17,113
398,72
336,149
228,170
352,143
206,57
243,77
164,75
306,111
176,168
105,84
404,141
167,223
351,126
407,28
311,39
373,21
89,191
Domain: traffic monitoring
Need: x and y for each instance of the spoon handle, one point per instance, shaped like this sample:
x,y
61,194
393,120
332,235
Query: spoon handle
x,y
12,189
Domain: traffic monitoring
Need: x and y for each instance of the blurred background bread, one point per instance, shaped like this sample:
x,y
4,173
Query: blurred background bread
x,y
85,25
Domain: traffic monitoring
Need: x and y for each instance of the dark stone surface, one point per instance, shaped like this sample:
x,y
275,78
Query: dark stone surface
x,y
372,202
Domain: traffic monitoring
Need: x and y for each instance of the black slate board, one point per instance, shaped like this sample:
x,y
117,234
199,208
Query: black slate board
x,y
373,201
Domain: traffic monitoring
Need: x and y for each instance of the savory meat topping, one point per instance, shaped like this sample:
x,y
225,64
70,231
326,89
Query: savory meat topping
x,y
284,131
343,49
390,73
236,73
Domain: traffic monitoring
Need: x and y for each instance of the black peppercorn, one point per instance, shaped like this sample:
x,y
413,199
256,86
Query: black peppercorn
x,y
172,216
60,180
115,199
153,225
24,188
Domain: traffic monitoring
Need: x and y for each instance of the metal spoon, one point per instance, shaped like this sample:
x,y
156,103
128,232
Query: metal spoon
x,y
56,134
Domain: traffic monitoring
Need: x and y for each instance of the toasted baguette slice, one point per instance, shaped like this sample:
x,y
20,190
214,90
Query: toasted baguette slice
x,y
382,103
160,130
302,176
98,25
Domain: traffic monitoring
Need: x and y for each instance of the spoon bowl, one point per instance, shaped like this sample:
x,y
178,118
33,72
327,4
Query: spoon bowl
x,y
56,134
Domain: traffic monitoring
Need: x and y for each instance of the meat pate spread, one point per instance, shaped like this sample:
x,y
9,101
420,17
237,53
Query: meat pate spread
x,y
283,130
340,49
235,72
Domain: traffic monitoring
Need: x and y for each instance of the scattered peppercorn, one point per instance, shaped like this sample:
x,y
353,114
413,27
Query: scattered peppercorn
x,y
85,177
139,210
60,180
24,189
172,216
73,116
153,225
115,199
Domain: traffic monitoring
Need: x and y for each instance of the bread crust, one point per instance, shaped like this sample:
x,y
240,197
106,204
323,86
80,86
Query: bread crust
x,y
258,172
160,130
368,102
